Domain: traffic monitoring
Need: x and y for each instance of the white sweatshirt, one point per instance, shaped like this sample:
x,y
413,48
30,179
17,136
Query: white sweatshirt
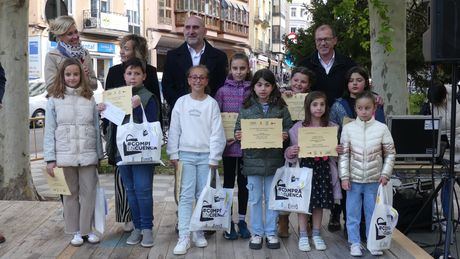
x,y
196,126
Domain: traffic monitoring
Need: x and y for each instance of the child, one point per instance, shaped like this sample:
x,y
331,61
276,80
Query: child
x,y
138,179
343,110
197,139
230,99
72,141
367,160
259,165
325,181
301,80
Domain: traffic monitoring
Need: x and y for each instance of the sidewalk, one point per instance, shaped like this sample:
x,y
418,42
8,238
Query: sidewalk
x,y
163,185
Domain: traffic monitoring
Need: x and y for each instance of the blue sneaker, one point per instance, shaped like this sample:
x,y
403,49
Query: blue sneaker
x,y
232,235
243,230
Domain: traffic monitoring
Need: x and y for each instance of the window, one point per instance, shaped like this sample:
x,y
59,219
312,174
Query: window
x,y
293,29
105,6
134,20
293,11
302,12
164,11
69,4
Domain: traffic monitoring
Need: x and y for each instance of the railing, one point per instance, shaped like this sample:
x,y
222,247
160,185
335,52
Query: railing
x,y
96,19
36,125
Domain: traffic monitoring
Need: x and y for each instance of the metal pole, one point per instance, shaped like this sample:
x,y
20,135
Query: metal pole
x,y
452,161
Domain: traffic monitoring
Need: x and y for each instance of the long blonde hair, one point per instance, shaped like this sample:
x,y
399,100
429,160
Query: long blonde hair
x,y
57,90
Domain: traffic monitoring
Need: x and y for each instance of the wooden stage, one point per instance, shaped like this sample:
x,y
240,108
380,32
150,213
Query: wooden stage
x,y
36,230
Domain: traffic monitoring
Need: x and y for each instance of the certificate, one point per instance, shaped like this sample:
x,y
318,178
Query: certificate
x,y
261,133
228,121
57,184
120,97
317,142
295,105
113,113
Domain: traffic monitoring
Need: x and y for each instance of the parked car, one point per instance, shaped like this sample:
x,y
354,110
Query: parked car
x,y
37,100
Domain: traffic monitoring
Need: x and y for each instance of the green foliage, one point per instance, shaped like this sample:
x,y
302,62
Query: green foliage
x,y
415,102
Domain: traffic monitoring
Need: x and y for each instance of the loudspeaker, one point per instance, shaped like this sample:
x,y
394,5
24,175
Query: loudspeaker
x,y
408,202
441,42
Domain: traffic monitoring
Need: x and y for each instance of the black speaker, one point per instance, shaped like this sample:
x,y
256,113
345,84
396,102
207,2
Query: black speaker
x,y
441,42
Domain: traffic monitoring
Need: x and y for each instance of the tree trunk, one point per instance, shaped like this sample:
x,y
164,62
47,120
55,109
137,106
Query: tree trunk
x,y
389,77
15,175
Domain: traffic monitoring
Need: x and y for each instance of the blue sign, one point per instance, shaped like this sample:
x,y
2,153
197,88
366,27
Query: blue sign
x,y
33,47
106,47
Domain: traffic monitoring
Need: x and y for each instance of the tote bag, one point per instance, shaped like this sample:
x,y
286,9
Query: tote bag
x,y
383,221
214,206
140,143
291,189
100,209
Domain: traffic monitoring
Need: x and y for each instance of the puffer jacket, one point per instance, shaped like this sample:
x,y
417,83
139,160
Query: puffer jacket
x,y
369,151
72,134
263,162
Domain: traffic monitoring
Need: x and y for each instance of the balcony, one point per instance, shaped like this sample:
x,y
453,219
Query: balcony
x,y
234,28
211,22
105,23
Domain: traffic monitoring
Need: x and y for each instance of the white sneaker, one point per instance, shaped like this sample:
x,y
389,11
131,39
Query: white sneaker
x,y
304,245
128,226
319,243
355,250
183,244
198,239
77,240
376,252
93,239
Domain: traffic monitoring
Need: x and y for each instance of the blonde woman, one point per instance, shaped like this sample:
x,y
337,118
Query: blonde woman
x,y
68,46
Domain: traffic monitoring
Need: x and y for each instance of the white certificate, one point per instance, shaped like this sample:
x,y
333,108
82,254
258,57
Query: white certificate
x,y
113,113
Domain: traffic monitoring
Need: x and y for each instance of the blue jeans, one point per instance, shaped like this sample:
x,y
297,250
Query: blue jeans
x,y
258,186
138,180
354,206
195,171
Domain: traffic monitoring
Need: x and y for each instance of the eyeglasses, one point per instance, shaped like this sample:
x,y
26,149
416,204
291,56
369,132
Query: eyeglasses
x,y
195,78
327,40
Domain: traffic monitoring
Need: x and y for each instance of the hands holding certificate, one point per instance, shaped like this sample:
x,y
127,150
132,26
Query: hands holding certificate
x,y
118,103
261,133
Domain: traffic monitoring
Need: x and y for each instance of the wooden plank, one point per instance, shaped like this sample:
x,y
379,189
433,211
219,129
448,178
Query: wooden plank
x,y
292,242
33,233
224,247
403,247
166,236
294,230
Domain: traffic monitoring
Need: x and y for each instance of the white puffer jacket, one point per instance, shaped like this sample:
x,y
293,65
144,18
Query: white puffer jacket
x,y
369,151
72,135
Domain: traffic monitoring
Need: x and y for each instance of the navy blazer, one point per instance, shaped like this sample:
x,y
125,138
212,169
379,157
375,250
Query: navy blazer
x,y
178,61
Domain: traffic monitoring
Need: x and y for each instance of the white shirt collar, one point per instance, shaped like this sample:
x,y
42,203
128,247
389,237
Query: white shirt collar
x,y
196,56
327,66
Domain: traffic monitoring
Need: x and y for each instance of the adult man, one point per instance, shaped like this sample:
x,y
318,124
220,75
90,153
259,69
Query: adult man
x,y
2,91
329,66
194,51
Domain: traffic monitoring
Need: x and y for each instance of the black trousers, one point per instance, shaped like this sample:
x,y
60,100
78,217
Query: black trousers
x,y
233,167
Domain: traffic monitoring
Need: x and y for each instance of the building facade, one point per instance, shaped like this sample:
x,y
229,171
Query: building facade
x,y
298,16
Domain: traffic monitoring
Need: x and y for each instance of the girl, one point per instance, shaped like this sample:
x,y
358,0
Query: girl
x,y
301,80
72,141
259,165
230,99
367,160
342,111
138,178
325,181
197,139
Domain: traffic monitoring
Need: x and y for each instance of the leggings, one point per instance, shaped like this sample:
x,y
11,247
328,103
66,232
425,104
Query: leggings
x,y
233,167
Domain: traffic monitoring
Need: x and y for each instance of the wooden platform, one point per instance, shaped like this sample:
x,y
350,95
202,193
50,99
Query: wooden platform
x,y
36,230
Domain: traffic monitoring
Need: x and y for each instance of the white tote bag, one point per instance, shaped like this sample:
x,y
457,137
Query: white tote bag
x,y
100,210
291,189
383,221
213,208
140,143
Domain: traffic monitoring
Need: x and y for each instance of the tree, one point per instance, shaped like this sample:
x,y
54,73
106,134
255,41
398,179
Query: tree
x,y
15,176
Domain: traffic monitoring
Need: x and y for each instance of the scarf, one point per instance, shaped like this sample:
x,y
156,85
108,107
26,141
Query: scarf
x,y
71,51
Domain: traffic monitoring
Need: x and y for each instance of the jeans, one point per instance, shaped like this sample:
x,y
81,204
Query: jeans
x,y
258,186
195,171
138,181
355,196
